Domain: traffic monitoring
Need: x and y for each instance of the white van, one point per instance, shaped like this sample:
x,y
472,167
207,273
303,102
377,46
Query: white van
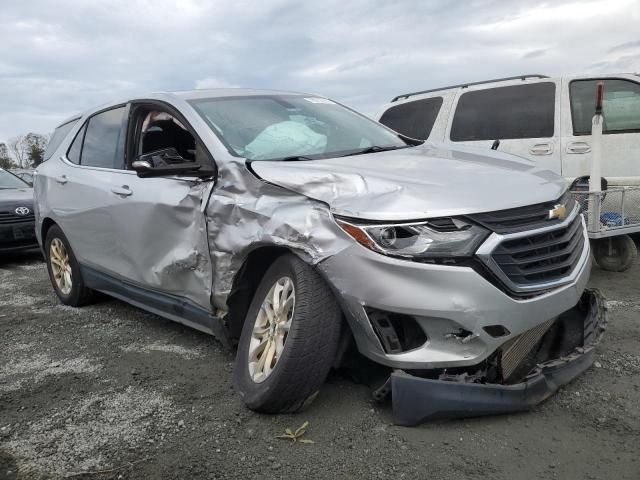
x,y
547,120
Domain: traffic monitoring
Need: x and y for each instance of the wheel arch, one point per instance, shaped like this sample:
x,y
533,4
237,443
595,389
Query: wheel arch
x,y
247,279
245,283
47,223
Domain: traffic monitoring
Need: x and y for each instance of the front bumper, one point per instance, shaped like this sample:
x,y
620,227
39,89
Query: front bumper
x,y
15,237
443,300
416,399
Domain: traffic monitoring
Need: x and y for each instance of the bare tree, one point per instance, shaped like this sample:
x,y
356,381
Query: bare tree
x,y
18,148
28,150
5,157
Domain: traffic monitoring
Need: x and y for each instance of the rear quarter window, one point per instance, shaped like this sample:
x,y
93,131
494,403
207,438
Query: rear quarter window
x,y
516,111
57,138
413,119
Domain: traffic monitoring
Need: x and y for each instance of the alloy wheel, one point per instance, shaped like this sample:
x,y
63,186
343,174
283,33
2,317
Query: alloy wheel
x,y
60,266
271,328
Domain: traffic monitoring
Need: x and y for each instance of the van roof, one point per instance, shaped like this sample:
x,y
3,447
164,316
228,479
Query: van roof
x,y
463,85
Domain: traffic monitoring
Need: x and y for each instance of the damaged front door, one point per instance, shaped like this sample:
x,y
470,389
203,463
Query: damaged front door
x,y
162,231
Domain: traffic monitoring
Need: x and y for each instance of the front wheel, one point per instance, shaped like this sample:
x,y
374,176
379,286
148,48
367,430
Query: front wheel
x,y
615,254
289,338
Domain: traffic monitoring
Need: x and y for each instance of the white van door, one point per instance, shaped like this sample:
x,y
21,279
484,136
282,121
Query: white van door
x,y
621,131
525,117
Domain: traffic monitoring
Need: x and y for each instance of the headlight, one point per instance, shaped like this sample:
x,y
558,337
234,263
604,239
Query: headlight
x,y
437,238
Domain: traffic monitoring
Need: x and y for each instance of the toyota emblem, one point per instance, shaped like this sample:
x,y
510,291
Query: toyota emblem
x,y
22,211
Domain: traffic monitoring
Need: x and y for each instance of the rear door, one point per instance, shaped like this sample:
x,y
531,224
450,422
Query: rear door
x,y
621,131
81,192
525,117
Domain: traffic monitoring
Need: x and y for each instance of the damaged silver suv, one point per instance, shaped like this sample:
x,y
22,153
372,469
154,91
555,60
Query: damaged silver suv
x,y
293,226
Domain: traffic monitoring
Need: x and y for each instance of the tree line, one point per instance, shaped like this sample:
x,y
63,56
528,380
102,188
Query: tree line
x,y
23,151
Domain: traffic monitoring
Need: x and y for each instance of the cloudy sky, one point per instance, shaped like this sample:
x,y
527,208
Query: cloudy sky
x,y
60,57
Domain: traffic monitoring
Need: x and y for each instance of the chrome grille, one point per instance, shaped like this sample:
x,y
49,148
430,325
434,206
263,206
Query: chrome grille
x,y
530,262
523,218
541,257
11,217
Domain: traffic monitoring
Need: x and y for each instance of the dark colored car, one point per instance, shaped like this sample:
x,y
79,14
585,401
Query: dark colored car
x,y
26,175
17,227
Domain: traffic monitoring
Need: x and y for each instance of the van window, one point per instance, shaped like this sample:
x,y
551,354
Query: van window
x,y
517,111
104,140
58,136
621,106
413,119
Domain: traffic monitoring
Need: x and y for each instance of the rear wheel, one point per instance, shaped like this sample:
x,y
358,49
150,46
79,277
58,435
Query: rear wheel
x,y
615,254
289,338
64,270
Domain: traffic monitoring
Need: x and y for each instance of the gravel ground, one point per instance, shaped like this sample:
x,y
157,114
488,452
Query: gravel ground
x,y
109,391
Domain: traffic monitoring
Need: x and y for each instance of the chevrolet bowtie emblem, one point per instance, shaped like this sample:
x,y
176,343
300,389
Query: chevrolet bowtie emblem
x,y
559,211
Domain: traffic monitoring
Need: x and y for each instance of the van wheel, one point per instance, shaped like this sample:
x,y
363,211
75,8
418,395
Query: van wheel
x,y
64,270
289,338
615,254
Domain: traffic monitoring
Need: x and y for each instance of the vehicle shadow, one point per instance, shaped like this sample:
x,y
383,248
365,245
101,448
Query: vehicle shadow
x,y
21,258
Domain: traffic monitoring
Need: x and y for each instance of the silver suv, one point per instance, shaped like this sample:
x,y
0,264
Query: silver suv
x,y
297,228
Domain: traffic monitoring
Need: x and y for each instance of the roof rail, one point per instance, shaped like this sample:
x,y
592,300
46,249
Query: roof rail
x,y
464,85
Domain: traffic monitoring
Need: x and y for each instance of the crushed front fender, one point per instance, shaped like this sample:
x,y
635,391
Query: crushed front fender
x,y
416,400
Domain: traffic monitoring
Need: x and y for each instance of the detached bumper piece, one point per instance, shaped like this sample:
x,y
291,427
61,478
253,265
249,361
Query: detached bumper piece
x,y
416,400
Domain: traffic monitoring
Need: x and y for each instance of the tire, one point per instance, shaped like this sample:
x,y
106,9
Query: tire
x,y
77,294
615,254
309,348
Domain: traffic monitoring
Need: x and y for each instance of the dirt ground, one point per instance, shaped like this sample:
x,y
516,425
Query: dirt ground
x,y
115,392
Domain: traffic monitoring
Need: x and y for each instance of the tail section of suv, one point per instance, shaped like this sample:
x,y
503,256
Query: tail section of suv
x,y
286,224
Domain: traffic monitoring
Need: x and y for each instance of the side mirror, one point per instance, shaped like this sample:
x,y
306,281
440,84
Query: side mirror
x,y
168,162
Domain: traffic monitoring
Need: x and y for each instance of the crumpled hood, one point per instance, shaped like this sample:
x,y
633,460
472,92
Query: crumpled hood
x,y
16,197
414,183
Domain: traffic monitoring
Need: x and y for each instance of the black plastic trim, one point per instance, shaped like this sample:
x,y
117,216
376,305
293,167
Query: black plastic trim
x,y
173,307
416,400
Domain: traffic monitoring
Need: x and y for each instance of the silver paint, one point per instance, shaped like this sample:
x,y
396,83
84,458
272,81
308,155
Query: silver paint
x,y
189,237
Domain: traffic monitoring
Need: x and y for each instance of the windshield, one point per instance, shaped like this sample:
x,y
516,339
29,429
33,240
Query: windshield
x,y
8,180
286,127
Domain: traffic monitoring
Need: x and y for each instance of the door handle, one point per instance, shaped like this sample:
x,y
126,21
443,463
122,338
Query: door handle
x,y
578,147
62,179
541,149
123,191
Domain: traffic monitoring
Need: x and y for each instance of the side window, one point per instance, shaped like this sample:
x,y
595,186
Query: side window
x,y
621,106
517,111
76,146
161,131
413,119
104,140
58,136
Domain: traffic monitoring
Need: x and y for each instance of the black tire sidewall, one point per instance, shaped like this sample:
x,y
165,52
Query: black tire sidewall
x,y
265,395
75,296
623,244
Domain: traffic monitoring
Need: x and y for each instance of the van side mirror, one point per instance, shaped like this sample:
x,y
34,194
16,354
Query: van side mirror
x,y
168,162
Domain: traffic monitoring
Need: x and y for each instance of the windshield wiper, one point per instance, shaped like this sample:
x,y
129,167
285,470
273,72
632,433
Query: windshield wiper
x,y
375,149
295,158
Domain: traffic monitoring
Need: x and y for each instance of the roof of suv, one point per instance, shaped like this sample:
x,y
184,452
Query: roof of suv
x,y
229,92
195,95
